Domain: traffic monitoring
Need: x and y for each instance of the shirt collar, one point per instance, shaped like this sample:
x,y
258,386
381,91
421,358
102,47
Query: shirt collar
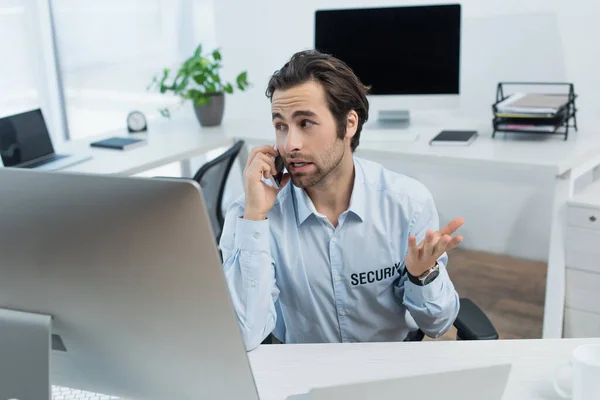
x,y
305,207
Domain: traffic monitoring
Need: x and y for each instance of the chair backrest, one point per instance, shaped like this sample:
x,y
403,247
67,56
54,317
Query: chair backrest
x,y
212,177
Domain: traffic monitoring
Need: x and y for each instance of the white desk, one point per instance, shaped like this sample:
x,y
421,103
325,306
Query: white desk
x,y
559,162
284,370
168,142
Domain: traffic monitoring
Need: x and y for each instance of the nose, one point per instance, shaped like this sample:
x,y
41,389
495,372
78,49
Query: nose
x,y
293,140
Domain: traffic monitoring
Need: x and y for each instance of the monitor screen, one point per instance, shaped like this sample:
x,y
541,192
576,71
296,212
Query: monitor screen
x,y
24,137
396,50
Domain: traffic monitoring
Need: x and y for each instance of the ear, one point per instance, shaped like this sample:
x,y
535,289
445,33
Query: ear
x,y
351,124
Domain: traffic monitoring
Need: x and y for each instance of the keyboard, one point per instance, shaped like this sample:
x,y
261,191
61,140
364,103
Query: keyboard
x,y
63,393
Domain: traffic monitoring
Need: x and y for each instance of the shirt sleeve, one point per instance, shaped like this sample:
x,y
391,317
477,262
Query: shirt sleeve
x,y
435,306
250,274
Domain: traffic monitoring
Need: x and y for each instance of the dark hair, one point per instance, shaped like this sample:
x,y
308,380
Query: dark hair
x,y
343,90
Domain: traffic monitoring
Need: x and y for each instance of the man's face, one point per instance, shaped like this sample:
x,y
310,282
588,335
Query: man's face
x,y
306,133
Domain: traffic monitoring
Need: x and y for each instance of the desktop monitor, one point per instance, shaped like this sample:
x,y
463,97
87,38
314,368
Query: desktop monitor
x,y
409,56
122,279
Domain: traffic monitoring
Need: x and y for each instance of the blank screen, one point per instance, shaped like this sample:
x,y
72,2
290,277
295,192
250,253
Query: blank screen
x,y
396,50
24,137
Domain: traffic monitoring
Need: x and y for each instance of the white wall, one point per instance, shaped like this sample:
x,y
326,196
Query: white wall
x,y
533,40
502,40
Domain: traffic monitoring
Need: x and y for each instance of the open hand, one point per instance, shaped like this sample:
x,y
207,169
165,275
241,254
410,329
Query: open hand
x,y
420,258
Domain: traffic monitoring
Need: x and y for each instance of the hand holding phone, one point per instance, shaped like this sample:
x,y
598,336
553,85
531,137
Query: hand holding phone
x,y
264,162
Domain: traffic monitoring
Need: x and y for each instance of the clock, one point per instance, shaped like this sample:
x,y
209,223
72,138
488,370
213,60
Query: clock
x,y
136,122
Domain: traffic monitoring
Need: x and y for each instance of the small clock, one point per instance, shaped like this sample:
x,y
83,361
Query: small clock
x,y
136,122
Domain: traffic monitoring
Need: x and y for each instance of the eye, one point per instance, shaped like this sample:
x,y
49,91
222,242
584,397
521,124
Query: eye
x,y
306,123
279,127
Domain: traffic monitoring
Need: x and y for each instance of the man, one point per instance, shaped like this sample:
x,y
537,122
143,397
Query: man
x,y
349,252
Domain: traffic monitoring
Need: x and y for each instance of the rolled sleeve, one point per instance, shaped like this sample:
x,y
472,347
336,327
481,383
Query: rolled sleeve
x,y
434,306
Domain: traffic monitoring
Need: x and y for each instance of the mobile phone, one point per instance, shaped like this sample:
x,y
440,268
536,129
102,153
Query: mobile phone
x,y
278,176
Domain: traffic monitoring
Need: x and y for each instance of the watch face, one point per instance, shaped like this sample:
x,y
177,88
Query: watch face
x,y
431,276
136,121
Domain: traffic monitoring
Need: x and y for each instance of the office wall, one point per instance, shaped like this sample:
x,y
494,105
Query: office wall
x,y
510,39
502,40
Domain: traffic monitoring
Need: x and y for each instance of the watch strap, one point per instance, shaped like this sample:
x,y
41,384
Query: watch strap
x,y
413,279
417,280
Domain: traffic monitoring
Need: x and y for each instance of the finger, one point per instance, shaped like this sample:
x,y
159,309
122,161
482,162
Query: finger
x,y
259,168
454,242
429,243
261,150
270,162
452,226
413,251
442,245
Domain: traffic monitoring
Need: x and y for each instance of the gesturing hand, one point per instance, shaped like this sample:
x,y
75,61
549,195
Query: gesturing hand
x,y
420,258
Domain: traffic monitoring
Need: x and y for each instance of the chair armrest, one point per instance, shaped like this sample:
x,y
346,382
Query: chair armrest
x,y
473,324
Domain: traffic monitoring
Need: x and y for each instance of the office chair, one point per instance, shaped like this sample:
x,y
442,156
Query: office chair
x,y
471,324
212,177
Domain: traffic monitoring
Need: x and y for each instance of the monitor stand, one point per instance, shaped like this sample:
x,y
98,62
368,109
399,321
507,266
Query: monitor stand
x,y
25,345
392,119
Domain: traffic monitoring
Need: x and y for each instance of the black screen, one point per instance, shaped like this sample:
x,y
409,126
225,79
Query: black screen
x,y
24,137
396,50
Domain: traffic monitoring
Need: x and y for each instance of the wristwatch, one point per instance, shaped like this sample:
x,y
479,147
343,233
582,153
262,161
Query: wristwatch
x,y
427,276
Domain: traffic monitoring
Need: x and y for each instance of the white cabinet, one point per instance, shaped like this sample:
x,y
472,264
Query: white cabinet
x,y
582,300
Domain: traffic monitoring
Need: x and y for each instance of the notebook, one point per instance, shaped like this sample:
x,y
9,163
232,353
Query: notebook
x,y
453,138
119,143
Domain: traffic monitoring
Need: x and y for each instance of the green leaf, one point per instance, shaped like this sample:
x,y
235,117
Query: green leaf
x,y
201,101
165,112
215,77
210,87
228,88
242,81
200,79
216,55
198,51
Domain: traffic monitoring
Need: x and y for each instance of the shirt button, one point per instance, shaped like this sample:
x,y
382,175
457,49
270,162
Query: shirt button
x,y
338,278
256,235
252,283
343,313
333,239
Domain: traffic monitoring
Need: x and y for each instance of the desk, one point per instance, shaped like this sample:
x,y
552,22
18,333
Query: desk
x,y
554,162
168,142
284,370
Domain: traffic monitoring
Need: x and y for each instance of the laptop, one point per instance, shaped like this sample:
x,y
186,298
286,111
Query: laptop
x,y
25,143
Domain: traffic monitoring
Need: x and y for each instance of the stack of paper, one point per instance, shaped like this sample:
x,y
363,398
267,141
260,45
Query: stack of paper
x,y
537,112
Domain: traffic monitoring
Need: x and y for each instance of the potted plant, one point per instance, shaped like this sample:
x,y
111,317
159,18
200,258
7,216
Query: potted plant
x,y
198,79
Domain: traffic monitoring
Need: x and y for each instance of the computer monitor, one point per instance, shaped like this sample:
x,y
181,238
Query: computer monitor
x,y
124,273
409,56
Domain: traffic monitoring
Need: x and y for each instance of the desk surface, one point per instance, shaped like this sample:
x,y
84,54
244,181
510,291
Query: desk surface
x,y
506,150
284,370
178,140
168,142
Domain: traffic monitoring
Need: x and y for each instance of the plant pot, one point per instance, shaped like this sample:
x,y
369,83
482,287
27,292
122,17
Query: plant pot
x,y
211,114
